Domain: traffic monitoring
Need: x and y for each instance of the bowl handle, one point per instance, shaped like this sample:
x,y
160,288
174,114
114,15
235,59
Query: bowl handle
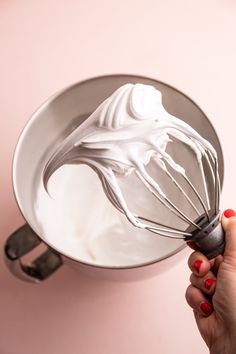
x,y
19,244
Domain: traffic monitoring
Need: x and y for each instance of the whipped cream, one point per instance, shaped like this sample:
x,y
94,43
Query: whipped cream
x,y
80,222
126,132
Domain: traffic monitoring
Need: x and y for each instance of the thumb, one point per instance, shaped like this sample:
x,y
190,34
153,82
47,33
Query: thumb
x,y
229,224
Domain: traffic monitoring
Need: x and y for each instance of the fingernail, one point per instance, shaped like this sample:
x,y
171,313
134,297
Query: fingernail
x,y
206,308
192,245
208,283
197,265
229,212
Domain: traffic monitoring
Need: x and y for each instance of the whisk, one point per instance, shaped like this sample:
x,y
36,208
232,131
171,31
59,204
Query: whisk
x,y
126,134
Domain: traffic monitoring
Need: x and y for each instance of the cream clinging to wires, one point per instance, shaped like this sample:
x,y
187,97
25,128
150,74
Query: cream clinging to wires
x,y
127,131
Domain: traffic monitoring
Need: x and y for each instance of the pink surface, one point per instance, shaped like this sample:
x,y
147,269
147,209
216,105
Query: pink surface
x,y
47,45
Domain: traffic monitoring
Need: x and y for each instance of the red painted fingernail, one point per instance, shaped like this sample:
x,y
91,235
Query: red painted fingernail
x,y
197,265
206,308
208,283
192,245
229,212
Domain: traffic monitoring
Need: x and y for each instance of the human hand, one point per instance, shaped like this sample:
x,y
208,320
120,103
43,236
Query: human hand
x,y
212,293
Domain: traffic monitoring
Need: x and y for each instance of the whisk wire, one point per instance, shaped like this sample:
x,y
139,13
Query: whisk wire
x,y
216,178
204,184
182,214
198,196
217,187
173,229
164,234
183,191
150,185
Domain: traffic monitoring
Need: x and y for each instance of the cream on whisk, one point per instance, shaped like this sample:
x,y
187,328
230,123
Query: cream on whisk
x,y
121,136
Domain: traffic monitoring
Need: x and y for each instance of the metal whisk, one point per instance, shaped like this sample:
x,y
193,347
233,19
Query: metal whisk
x,y
129,134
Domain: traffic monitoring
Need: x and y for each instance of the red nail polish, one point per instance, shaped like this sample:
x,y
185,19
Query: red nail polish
x,y
192,245
206,308
208,283
229,212
197,265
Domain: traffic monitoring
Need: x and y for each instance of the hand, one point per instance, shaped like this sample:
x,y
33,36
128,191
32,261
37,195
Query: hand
x,y
212,293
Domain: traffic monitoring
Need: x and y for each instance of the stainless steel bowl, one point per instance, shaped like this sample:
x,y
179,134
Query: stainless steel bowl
x,y
48,126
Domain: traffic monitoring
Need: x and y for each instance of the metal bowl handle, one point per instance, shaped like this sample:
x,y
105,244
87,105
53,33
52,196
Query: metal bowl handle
x,y
20,243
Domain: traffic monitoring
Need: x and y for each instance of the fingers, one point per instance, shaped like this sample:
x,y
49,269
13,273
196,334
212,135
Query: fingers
x,y
203,283
192,245
199,264
216,263
225,217
206,284
198,301
204,272
228,220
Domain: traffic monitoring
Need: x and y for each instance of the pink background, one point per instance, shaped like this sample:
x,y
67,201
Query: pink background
x,y
47,45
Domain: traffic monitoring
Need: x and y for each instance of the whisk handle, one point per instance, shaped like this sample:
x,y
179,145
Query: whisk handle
x,y
210,240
